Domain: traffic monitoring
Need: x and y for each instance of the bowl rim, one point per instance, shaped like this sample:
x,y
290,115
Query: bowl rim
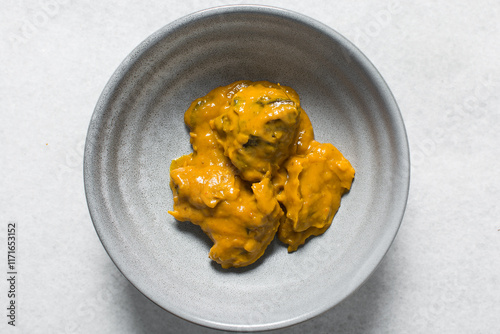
x,y
135,55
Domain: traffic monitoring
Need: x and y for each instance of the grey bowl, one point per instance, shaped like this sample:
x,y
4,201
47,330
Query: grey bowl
x,y
137,129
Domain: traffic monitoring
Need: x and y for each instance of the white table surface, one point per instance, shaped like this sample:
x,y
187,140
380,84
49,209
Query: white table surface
x,y
441,60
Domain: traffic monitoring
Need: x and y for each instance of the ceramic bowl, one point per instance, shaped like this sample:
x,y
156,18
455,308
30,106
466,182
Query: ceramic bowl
x,y
137,129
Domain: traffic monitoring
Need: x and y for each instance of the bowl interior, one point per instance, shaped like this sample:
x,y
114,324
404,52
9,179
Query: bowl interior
x,y
137,129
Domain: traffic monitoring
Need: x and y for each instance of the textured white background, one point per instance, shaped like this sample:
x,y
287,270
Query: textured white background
x,y
441,60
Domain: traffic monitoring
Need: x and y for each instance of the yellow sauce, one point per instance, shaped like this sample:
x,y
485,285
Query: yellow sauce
x,y
256,171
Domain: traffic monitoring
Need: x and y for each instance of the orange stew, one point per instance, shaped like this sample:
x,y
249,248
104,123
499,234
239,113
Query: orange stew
x,y
255,171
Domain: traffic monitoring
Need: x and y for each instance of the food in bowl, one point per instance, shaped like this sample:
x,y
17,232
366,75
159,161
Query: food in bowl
x,y
256,171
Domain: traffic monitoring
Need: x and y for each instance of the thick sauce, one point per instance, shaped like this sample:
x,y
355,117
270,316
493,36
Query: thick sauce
x,y
255,171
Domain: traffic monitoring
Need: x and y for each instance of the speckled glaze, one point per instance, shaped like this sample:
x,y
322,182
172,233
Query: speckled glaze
x,y
137,129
